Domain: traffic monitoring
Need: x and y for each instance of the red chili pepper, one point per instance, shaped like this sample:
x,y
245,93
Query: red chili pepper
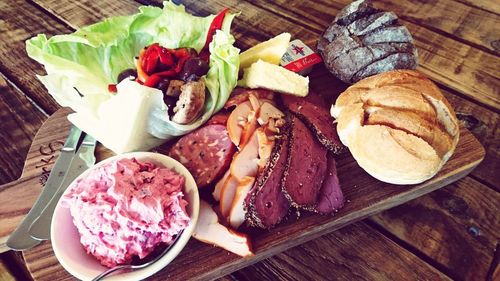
x,y
215,25
112,88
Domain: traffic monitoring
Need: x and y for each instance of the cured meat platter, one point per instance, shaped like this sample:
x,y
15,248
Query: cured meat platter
x,y
364,196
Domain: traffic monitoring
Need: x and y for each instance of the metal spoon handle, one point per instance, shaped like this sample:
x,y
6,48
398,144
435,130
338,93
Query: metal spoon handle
x,y
109,271
139,266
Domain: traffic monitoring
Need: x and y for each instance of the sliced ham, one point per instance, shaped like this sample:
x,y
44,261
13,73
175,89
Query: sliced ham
x,y
240,95
209,230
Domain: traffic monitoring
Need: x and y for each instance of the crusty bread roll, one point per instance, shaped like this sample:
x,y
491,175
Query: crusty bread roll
x,y
397,125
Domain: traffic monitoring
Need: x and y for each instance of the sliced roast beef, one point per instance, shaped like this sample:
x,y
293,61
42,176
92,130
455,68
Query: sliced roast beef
x,y
306,167
330,198
266,204
314,112
206,153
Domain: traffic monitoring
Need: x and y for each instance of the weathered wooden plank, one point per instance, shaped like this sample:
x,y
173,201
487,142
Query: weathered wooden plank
x,y
457,226
82,13
448,61
20,121
488,5
474,26
356,252
20,21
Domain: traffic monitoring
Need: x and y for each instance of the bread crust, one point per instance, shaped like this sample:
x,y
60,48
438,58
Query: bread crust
x,y
397,125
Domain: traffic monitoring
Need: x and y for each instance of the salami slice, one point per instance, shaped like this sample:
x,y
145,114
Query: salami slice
x,y
206,153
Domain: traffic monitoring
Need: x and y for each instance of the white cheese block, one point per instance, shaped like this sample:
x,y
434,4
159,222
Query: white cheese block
x,y
121,122
276,78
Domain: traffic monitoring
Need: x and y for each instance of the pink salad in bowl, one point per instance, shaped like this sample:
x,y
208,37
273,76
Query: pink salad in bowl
x,y
126,208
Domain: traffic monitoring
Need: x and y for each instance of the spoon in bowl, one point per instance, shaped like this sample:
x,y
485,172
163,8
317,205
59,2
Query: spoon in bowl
x,y
138,266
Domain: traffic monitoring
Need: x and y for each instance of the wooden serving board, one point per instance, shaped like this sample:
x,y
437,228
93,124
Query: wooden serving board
x,y
365,196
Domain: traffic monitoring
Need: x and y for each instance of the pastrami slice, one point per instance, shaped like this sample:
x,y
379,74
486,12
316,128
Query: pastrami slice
x,y
331,198
266,203
306,167
313,111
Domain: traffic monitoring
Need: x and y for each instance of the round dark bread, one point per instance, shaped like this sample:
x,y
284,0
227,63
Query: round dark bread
x,y
363,41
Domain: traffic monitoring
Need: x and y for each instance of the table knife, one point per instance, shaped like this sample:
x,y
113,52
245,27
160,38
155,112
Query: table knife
x,y
84,159
20,239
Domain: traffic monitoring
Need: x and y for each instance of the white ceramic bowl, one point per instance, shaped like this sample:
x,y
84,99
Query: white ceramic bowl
x,y
66,239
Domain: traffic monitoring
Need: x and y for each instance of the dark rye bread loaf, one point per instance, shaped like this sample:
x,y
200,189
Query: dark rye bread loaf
x,y
363,41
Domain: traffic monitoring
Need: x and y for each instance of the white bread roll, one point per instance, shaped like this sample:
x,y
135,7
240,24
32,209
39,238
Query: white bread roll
x,y
397,125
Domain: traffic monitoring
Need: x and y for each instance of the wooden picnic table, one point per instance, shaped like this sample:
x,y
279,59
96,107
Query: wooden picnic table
x,y
451,233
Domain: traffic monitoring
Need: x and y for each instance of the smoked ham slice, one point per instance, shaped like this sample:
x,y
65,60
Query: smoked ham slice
x,y
209,230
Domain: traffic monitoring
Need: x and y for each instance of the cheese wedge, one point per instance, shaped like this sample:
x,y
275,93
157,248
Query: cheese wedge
x,y
275,78
270,51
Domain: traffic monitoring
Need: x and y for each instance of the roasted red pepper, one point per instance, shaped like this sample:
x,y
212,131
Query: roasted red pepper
x,y
166,57
215,25
142,76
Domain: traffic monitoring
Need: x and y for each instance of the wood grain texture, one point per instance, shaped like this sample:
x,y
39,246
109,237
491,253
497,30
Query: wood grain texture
x,y
20,121
487,5
466,23
21,21
366,196
16,202
355,252
457,226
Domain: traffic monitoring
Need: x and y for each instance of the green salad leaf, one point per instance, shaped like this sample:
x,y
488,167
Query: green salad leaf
x,y
81,65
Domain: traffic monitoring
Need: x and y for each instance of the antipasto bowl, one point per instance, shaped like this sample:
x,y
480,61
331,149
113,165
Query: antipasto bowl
x,y
65,236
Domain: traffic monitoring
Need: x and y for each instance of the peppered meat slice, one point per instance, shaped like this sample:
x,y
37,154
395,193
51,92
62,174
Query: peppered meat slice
x,y
266,204
206,153
313,111
306,167
331,198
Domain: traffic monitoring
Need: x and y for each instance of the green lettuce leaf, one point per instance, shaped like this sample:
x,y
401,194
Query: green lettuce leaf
x,y
80,65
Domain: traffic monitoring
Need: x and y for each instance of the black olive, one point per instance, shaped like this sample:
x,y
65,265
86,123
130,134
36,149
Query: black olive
x,y
170,102
127,73
163,84
194,66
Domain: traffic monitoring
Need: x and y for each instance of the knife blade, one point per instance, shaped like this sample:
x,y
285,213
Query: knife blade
x,y
20,239
84,159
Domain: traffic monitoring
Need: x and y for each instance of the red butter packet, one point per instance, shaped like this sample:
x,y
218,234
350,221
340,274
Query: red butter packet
x,y
299,58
